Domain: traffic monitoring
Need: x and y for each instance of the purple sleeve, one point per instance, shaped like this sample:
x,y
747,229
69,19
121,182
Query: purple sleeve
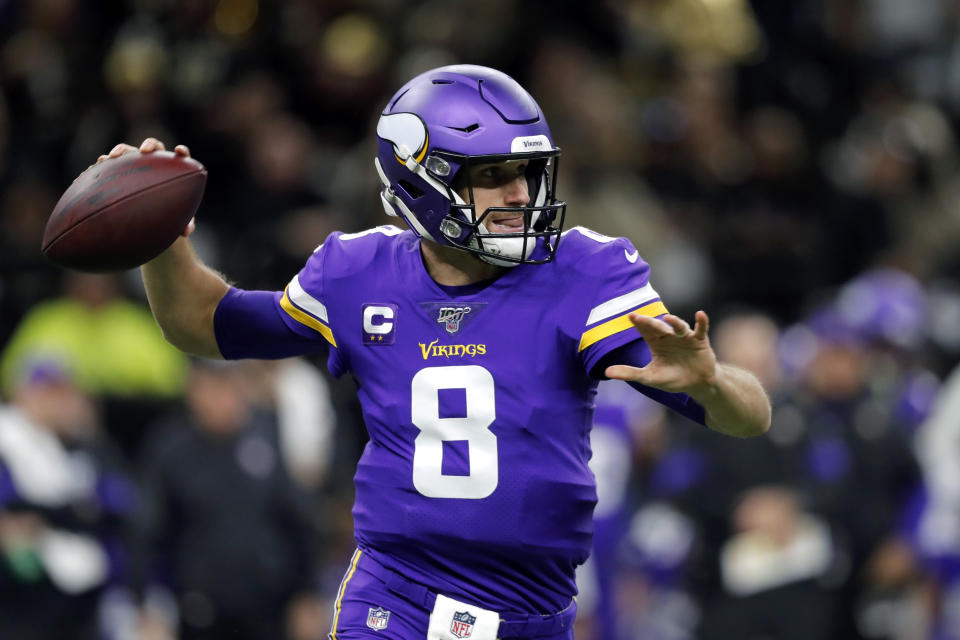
x,y
247,324
637,354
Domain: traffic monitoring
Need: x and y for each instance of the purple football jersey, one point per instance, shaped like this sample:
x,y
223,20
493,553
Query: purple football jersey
x,y
478,404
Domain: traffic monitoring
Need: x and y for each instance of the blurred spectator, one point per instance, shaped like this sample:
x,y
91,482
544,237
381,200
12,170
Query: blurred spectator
x,y
113,344
65,505
854,463
228,533
298,394
774,569
938,531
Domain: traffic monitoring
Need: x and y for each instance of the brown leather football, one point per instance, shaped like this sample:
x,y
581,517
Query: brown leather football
x,y
124,211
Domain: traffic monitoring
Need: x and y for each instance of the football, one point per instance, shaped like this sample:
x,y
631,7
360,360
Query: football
x,y
124,211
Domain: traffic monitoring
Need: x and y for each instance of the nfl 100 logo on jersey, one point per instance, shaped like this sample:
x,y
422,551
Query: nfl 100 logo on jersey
x,y
452,317
462,624
377,619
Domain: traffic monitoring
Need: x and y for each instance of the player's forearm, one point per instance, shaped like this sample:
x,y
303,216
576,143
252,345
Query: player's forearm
x,y
183,295
736,404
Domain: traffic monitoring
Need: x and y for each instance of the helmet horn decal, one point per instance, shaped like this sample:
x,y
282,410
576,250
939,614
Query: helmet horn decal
x,y
408,134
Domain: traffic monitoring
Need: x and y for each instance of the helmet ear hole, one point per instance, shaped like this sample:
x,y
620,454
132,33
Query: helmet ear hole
x,y
412,191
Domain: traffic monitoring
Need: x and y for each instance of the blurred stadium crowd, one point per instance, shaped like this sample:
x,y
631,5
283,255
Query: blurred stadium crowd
x,y
790,167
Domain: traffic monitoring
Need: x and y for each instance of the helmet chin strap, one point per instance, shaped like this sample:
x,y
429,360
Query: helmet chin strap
x,y
510,247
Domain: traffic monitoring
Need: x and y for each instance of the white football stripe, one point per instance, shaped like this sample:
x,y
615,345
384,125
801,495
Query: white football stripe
x,y
622,303
306,301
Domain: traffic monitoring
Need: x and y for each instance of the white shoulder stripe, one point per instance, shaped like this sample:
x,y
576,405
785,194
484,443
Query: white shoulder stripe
x,y
622,303
306,301
387,230
590,233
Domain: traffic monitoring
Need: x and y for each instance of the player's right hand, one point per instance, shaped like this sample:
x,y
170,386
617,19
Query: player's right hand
x,y
150,145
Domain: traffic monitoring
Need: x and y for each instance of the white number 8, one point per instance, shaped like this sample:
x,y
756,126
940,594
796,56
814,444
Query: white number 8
x,y
428,476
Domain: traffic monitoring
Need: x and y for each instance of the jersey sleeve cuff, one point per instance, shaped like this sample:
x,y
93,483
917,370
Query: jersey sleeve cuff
x,y
247,324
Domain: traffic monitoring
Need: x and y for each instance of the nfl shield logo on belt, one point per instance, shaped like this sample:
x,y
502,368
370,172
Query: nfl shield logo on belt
x,y
462,625
377,618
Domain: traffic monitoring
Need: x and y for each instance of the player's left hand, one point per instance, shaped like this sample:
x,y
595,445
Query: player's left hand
x,y
682,358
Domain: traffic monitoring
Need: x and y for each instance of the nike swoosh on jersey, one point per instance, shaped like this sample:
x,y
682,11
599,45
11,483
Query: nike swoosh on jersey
x,y
632,257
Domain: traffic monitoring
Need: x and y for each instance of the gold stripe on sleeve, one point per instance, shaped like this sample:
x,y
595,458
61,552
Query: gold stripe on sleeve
x,y
619,324
306,319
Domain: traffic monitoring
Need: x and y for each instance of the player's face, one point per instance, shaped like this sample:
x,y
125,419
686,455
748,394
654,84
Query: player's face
x,y
503,184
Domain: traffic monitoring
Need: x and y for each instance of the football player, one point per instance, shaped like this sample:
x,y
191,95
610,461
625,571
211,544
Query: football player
x,y
476,338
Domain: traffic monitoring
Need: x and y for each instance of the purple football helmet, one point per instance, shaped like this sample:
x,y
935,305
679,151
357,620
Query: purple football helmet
x,y
887,305
435,129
